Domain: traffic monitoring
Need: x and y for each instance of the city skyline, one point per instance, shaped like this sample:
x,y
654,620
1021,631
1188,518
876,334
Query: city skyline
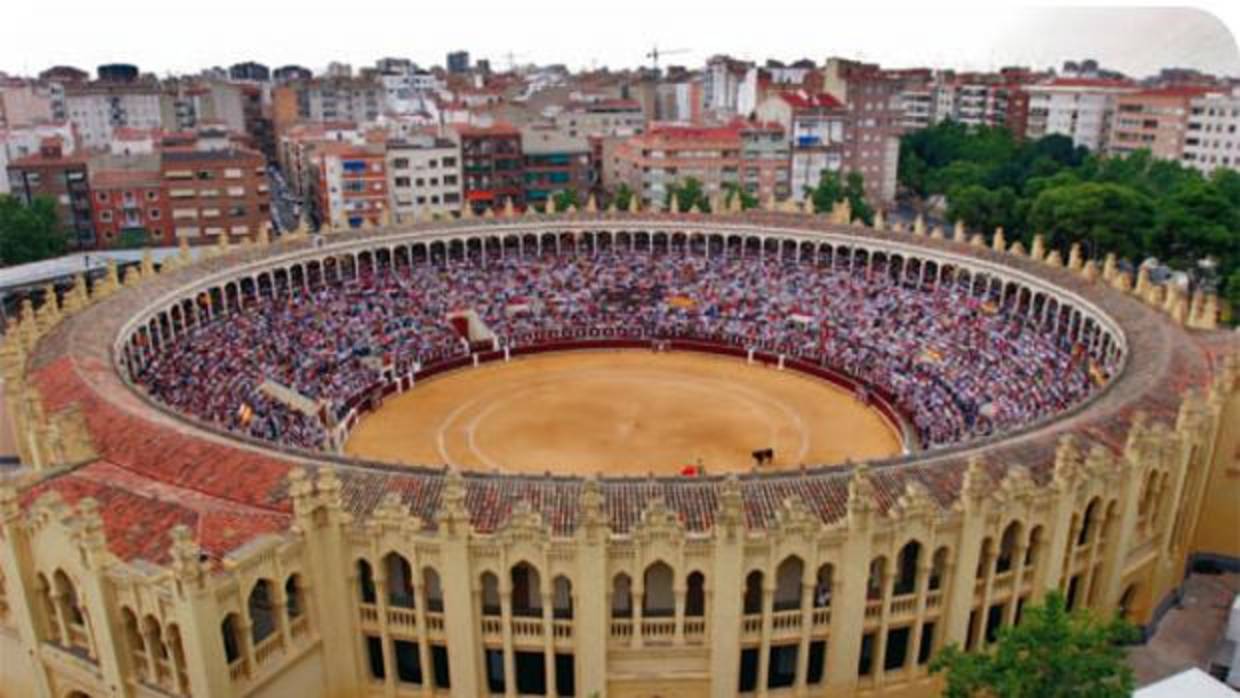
x,y
977,38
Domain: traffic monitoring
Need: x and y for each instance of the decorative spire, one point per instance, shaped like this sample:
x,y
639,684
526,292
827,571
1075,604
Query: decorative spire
x,y
999,241
958,232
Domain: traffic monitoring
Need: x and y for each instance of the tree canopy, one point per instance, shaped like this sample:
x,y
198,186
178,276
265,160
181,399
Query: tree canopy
x,y
1135,205
690,196
564,199
1051,653
831,190
29,233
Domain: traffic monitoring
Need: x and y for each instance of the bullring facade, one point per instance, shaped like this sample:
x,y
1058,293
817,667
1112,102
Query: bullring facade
x,y
148,554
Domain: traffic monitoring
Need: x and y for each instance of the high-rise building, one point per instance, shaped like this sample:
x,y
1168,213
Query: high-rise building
x,y
492,164
555,161
458,62
129,203
872,98
214,186
349,185
95,109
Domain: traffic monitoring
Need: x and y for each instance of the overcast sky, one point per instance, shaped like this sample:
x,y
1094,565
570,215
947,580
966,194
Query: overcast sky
x,y
581,33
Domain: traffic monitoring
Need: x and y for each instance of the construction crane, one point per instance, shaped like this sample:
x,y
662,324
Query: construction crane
x,y
654,54
512,60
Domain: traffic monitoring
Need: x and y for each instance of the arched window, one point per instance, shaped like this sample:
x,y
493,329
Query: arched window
x,y
526,590
1034,551
399,580
44,592
876,579
262,611
365,582
657,596
562,597
938,569
788,584
906,568
622,596
490,595
133,638
1127,601
232,641
433,590
753,593
154,638
66,594
1087,522
822,586
294,605
1007,548
177,650
986,559
695,595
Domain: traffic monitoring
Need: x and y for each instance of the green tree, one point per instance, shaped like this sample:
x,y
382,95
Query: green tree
x,y
1052,653
565,198
983,209
689,196
1231,294
831,190
623,197
29,233
748,200
1102,216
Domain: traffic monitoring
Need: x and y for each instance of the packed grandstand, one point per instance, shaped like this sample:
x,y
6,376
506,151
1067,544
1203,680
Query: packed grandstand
x,y
958,360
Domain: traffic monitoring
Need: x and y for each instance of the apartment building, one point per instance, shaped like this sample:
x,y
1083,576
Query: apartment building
x,y
328,99
1154,120
872,100
556,161
349,185
723,82
816,128
129,203
62,177
423,176
296,149
17,143
249,71
96,109
23,103
667,155
1211,137
612,118
917,97
1079,108
188,105
492,166
765,160
214,187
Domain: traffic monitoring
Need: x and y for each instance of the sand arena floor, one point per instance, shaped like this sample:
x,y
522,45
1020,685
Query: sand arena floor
x,y
621,413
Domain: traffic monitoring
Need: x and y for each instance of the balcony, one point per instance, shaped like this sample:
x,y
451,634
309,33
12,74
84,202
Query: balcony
x,y
661,631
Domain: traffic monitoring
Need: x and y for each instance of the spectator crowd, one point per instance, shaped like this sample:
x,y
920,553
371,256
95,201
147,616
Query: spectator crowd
x,y
958,365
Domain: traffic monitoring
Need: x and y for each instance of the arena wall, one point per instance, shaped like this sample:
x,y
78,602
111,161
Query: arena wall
x,y
181,561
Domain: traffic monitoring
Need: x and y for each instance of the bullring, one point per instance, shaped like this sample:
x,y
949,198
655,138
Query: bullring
x,y
223,564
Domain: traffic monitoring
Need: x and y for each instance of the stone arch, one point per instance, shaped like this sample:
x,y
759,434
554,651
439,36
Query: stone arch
x,y
753,592
1008,542
1089,522
907,561
294,596
877,578
695,594
230,635
398,578
365,582
260,608
562,597
621,596
788,577
824,582
658,598
526,590
491,604
939,564
432,590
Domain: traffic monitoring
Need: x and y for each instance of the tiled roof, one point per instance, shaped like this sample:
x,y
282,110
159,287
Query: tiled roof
x,y
156,470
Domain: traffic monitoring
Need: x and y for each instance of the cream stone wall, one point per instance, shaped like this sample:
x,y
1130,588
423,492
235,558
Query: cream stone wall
x,y
654,611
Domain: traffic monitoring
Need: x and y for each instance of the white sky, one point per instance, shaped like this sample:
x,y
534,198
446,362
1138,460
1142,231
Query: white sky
x,y
163,36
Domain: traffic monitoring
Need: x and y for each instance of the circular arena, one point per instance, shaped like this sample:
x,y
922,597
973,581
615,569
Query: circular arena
x,y
594,454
